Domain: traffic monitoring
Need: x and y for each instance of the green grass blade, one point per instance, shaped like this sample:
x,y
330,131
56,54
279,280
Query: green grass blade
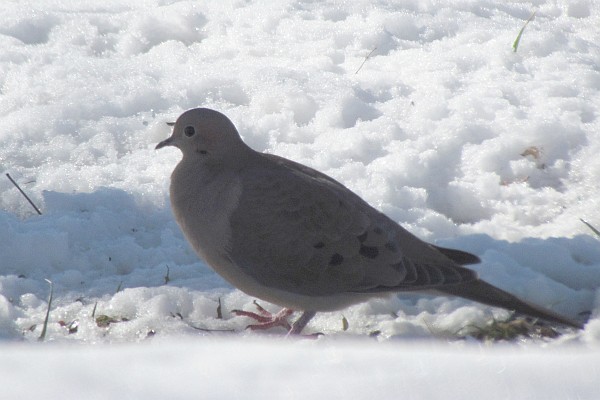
x,y
43,334
518,39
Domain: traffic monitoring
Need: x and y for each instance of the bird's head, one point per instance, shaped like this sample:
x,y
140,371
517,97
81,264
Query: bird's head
x,y
205,135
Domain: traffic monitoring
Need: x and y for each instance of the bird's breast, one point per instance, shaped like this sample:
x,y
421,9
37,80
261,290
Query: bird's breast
x,y
202,204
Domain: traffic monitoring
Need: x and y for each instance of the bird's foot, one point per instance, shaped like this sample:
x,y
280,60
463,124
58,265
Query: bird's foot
x,y
265,319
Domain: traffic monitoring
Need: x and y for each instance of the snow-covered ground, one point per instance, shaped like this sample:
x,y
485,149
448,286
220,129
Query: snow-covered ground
x,y
421,107
272,369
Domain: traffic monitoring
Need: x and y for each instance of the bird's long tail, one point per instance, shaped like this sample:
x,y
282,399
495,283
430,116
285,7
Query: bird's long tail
x,y
483,292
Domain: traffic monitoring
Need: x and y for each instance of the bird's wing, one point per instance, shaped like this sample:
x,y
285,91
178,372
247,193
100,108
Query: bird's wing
x,y
298,230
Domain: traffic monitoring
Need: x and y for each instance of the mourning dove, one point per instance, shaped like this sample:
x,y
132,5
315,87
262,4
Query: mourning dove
x,y
295,237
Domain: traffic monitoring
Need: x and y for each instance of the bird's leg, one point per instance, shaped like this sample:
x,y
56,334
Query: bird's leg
x,y
266,319
301,323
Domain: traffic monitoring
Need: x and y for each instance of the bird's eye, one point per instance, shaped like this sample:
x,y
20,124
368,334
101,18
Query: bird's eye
x,y
189,131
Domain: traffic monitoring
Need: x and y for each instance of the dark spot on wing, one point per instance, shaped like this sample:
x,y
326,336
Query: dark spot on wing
x,y
377,230
391,247
336,259
368,251
319,245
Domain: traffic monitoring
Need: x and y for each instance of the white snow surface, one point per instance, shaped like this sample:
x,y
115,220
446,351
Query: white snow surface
x,y
421,107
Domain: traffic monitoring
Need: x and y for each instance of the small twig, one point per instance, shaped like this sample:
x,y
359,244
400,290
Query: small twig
x,y
94,310
365,60
210,330
167,279
596,231
45,326
219,310
23,193
518,39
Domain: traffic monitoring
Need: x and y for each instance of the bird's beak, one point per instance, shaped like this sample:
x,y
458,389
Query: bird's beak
x,y
166,142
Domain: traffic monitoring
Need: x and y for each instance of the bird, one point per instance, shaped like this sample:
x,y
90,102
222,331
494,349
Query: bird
x,y
292,236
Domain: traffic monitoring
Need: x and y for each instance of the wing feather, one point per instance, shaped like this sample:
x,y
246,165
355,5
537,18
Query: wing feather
x,y
298,230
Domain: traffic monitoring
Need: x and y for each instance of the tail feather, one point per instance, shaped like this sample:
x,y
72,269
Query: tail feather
x,y
458,256
485,293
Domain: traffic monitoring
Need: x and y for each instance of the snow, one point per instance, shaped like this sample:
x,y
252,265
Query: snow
x,y
444,128
344,370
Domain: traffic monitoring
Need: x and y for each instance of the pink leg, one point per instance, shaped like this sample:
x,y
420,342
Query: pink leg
x,y
266,319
